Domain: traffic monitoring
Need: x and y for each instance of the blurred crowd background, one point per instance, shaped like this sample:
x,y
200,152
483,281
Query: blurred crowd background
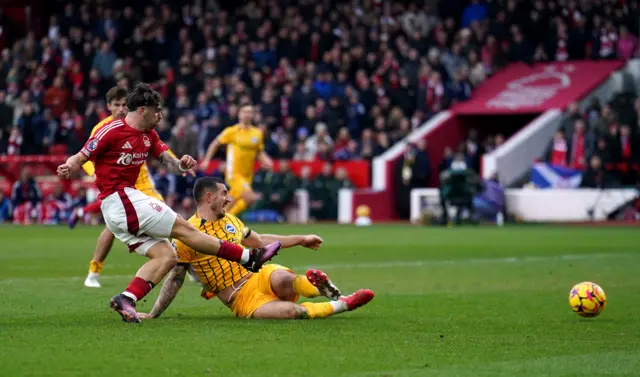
x,y
332,80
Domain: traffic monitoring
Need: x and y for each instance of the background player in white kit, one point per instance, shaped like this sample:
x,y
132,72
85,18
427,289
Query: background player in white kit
x,y
118,151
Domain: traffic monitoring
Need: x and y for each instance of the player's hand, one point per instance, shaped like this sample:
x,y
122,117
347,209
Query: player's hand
x,y
267,163
312,242
144,316
188,163
64,171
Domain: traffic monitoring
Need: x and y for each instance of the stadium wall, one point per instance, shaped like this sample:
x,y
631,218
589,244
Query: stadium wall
x,y
550,205
437,132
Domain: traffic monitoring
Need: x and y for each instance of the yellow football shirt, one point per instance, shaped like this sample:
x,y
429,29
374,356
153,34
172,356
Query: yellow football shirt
x,y
243,146
216,274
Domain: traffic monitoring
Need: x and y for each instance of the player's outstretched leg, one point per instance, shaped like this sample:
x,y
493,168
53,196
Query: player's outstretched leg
x,y
321,281
313,310
252,259
77,214
103,246
148,276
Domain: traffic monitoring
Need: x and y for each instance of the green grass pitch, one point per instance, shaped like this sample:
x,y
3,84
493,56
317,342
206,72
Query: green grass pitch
x,y
476,302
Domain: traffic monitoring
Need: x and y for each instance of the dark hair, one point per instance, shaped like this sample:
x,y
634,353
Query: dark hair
x,y
116,93
143,95
205,184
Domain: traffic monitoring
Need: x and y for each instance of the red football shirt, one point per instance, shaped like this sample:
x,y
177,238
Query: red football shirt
x,y
118,151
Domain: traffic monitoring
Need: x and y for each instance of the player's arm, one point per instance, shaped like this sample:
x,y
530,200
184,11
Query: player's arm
x,y
175,166
264,159
72,165
211,151
224,138
254,240
169,291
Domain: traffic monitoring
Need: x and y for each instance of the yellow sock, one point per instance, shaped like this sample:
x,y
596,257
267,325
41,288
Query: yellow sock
x,y
237,208
318,309
95,267
302,287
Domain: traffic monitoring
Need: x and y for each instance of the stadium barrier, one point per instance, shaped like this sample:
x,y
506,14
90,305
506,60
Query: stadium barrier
x,y
516,156
531,205
380,198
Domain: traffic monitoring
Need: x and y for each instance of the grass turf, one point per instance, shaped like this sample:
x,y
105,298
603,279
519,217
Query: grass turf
x,y
449,302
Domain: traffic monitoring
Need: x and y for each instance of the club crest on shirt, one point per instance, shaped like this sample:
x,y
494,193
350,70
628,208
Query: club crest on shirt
x,y
254,140
146,141
230,228
92,145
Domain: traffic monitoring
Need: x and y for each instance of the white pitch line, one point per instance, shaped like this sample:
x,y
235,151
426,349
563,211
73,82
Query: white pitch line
x,y
386,264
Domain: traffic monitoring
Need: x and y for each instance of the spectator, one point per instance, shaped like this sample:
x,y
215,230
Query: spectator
x,y
581,144
558,154
6,209
6,117
104,60
411,171
595,175
184,139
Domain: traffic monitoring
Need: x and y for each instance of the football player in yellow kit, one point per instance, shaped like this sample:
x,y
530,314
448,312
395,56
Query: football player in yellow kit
x,y
116,104
271,293
245,144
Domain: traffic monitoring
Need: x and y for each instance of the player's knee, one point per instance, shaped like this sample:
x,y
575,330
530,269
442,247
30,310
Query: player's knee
x,y
282,284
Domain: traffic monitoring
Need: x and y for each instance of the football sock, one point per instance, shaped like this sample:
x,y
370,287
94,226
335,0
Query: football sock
x,y
324,309
237,208
138,288
302,287
318,309
95,266
93,207
233,252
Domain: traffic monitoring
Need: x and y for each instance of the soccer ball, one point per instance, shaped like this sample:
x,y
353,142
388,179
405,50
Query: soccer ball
x,y
587,299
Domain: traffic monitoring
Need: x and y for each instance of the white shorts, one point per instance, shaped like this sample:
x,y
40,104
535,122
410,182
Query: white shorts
x,y
136,219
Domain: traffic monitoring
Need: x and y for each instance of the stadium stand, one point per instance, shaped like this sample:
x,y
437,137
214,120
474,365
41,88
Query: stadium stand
x,y
335,81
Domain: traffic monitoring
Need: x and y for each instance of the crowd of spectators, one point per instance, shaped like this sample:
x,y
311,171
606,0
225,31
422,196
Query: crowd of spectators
x,y
603,141
332,80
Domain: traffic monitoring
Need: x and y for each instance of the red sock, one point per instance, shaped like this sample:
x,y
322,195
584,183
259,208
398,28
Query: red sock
x,y
138,288
93,207
230,252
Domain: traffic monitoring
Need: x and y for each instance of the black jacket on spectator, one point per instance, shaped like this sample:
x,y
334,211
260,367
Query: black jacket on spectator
x,y
25,192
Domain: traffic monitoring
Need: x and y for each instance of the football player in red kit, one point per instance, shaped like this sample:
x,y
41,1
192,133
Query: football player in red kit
x,y
118,150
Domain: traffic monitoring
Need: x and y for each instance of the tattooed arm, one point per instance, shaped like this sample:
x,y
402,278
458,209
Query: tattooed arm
x,y
170,288
175,166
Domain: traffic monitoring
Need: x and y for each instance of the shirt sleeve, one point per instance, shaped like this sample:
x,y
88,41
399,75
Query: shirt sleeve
x,y
157,145
226,136
95,147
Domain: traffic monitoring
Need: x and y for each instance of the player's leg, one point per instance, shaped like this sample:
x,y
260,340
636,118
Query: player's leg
x,y
289,286
280,310
312,310
103,246
206,244
162,260
77,214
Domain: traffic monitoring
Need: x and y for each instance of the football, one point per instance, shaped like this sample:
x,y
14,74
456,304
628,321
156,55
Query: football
x,y
587,299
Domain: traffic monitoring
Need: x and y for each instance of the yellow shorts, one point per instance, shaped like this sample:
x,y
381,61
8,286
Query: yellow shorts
x,y
238,186
150,191
256,292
